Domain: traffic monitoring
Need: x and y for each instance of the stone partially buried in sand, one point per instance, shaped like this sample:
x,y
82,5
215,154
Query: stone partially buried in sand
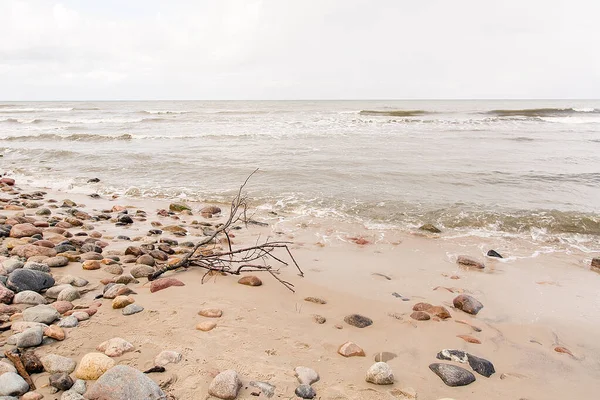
x,y
115,347
122,301
467,304
250,280
54,363
358,320
211,312
470,262
380,374
306,376
225,385
206,326
123,382
351,349
93,365
164,283
452,375
167,357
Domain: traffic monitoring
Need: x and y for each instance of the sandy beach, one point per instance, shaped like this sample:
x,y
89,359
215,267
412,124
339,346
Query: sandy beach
x,y
538,324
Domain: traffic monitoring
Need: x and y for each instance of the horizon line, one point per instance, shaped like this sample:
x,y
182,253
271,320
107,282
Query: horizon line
x,y
306,99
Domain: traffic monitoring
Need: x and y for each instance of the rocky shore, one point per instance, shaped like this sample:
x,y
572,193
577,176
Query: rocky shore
x,y
392,319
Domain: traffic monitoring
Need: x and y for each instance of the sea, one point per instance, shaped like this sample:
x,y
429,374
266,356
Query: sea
x,y
528,168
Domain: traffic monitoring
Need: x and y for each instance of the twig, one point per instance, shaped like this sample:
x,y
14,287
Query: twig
x,y
14,356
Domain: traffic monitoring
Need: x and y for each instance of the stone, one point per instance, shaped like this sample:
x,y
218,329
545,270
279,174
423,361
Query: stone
x,y
37,266
114,269
32,396
115,347
167,357
93,365
146,259
54,291
206,326
69,294
57,262
24,230
141,271
26,279
11,384
440,312
467,304
81,315
53,363
6,295
469,339
250,280
429,228
79,386
225,385
61,381
31,337
132,309
306,376
30,250
68,322
481,365
11,264
210,210
351,349
6,367
266,388
31,362
41,313
91,247
305,392
8,182
164,283
91,265
71,395
420,316
159,255
29,297
91,256
178,207
494,253
452,375
453,355
113,291
315,300
210,312
358,320
125,382
319,319
470,262
55,332
122,301
384,356
380,374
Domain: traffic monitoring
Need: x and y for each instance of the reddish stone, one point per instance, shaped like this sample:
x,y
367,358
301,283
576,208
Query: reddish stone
x,y
250,280
62,306
439,311
24,230
44,243
7,181
164,283
422,307
420,316
470,339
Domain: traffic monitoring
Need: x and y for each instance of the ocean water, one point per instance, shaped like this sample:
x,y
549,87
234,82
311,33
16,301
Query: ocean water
x,y
518,167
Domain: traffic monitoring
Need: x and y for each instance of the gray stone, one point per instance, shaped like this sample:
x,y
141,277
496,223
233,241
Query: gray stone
x,y
141,271
79,386
29,297
358,320
452,375
123,382
53,363
61,381
41,313
28,279
481,365
54,291
12,264
30,337
132,309
71,395
380,374
37,266
305,392
69,294
452,355
306,376
57,262
68,322
11,384
225,385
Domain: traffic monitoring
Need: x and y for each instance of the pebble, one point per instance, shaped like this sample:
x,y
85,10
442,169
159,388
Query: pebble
x,y
306,376
6,367
305,392
452,375
62,306
319,319
420,316
32,396
595,264
29,297
206,326
69,294
351,349
146,259
24,230
380,374
6,295
429,228
250,280
315,300
481,365
55,332
266,388
122,301
11,384
494,253
91,265
132,309
114,269
57,261
54,291
68,322
93,365
467,304
211,312
141,271
30,250
164,283
469,339
124,382
41,313
37,266
79,386
61,381
54,363
453,355
71,395
115,347
167,357
470,262
440,312
358,320
12,264
225,385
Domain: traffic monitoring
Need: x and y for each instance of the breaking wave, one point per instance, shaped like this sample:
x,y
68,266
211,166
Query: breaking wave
x,y
395,113
543,112
82,137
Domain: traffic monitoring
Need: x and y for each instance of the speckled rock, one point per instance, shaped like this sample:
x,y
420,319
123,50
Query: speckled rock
x,y
225,385
115,347
41,313
351,349
452,375
11,384
211,312
54,363
167,357
358,321
306,376
380,374
93,365
132,309
123,382
29,297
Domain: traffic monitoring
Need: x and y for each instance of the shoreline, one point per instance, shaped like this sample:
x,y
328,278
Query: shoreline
x,y
531,306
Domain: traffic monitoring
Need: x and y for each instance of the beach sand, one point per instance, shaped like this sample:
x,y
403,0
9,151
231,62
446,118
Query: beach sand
x,y
534,301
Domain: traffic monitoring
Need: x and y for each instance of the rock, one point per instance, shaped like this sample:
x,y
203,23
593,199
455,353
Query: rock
x,y
57,262
115,347
55,332
30,250
91,256
124,382
319,319
31,362
41,313
122,301
54,291
315,300
8,182
72,280
306,376
453,355
494,253
164,283
167,357
469,339
422,307
380,374
225,385
439,311
6,367
6,295
132,309
146,259
71,395
206,326
81,315
31,337
250,280
470,262
305,392
350,349
26,279
125,219
62,306
481,365
114,269
358,320
22,326
61,381
91,265
266,388
178,207
68,322
79,386
24,230
133,251
141,271
11,384
54,363
429,228
11,264
32,396
467,304
69,294
452,375
384,356
211,312
93,365
37,266
420,316
595,264
159,255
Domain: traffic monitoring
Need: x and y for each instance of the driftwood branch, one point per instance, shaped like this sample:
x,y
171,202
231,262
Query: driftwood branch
x,y
257,258
13,355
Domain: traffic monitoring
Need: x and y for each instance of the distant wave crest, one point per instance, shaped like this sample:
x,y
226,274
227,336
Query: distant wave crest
x,y
395,113
83,137
543,112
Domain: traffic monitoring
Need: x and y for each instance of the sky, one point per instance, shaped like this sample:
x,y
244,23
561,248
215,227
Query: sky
x,y
298,49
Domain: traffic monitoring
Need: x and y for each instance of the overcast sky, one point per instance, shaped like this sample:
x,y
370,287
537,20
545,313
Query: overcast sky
x,y
299,49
